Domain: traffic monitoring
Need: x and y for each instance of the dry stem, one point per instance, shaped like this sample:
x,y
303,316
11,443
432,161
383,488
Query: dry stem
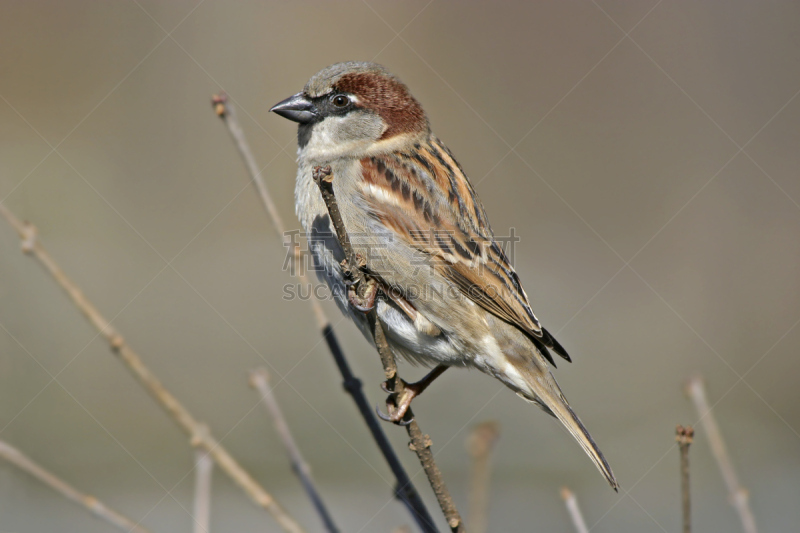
x,y
404,489
148,380
684,436
738,494
479,445
203,470
574,511
227,112
92,504
420,443
259,379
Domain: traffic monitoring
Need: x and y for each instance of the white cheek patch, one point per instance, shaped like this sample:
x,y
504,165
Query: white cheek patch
x,y
337,137
322,135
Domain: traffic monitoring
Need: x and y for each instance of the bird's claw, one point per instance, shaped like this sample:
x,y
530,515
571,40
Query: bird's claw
x,y
365,303
398,404
322,173
393,418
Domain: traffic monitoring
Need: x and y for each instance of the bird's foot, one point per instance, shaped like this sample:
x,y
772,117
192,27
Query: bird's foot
x,y
398,404
364,302
322,174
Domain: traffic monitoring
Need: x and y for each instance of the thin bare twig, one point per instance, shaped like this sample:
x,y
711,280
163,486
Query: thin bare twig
x,y
227,113
92,504
404,489
184,419
574,511
738,495
480,443
684,436
259,379
420,443
203,470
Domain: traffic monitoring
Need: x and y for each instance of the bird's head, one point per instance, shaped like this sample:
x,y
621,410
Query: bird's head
x,y
353,109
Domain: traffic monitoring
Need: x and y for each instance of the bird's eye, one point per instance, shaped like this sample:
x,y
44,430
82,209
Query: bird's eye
x,y
340,100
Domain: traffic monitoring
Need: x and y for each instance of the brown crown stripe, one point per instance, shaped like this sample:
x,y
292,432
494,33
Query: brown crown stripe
x,y
387,97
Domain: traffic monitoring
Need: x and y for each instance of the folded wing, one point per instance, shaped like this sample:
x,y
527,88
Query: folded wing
x,y
425,199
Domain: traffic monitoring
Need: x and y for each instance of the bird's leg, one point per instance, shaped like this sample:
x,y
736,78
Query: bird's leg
x,y
398,404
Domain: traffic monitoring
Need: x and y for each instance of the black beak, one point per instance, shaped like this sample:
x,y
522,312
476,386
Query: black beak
x,y
297,108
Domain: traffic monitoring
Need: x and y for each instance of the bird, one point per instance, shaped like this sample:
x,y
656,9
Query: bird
x,y
448,295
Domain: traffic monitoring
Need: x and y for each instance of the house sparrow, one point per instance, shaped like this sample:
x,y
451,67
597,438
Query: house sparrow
x,y
448,294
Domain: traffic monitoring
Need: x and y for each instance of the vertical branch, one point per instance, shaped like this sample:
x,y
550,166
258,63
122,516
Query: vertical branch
x,y
404,489
259,379
479,445
574,511
92,504
738,494
180,415
203,470
684,436
419,442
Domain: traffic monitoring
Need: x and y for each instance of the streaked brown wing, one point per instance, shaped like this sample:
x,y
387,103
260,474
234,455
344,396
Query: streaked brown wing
x,y
426,199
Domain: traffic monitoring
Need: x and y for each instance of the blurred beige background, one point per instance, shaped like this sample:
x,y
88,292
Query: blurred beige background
x,y
645,152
